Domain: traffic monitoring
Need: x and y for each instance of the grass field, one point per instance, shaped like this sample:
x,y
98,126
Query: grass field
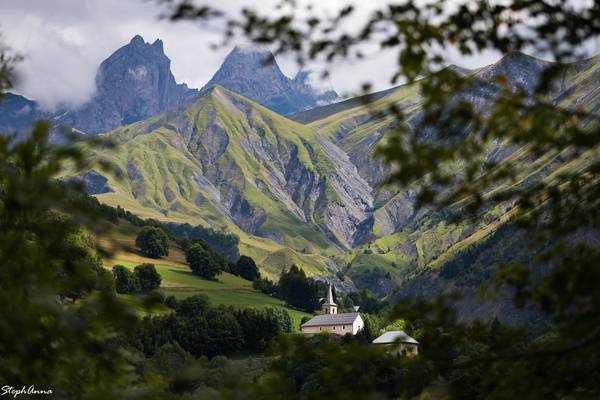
x,y
178,280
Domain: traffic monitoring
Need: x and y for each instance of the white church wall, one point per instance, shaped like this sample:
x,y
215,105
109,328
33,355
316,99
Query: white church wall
x,y
357,325
337,329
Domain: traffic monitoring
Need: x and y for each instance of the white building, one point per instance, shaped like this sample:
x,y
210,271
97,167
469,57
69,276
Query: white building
x,y
331,321
399,343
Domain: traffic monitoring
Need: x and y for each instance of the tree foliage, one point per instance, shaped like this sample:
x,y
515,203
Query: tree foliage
x,y
266,286
203,261
205,330
148,278
220,242
364,299
46,253
246,268
298,290
125,280
153,242
144,279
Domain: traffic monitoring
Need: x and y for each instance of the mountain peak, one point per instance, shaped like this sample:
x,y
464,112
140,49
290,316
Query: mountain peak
x,y
137,40
139,44
520,69
253,56
254,73
133,83
158,44
250,49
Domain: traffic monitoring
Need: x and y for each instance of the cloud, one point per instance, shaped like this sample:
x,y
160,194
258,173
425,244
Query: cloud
x,y
64,42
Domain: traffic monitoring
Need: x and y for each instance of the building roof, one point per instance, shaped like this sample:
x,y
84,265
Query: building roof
x,y
332,319
394,337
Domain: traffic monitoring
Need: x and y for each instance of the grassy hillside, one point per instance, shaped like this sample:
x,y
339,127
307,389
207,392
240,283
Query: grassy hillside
x,y
226,162
178,281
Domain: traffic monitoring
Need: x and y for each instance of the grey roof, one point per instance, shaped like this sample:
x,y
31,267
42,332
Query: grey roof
x,y
332,319
393,337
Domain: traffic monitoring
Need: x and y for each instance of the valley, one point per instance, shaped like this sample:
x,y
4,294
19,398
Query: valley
x,y
306,188
300,200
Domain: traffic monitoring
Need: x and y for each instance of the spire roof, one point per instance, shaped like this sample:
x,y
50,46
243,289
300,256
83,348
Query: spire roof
x,y
329,299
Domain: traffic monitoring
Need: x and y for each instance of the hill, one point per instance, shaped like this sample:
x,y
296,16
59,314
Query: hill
x,y
405,247
178,280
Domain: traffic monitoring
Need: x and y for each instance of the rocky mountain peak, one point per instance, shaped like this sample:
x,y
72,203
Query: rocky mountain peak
x,y
137,40
518,68
254,73
158,44
134,83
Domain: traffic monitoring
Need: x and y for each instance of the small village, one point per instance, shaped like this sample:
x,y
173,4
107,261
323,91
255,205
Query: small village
x,y
396,342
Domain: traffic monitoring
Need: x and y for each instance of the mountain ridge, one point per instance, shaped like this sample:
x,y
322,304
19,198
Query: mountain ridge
x,y
340,200
311,193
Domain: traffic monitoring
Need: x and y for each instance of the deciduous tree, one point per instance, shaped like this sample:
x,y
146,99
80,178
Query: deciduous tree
x,y
153,242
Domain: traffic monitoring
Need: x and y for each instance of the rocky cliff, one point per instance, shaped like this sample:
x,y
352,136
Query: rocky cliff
x,y
133,84
18,114
254,74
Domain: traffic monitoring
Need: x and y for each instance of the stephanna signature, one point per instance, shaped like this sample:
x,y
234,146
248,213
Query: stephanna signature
x,y
31,390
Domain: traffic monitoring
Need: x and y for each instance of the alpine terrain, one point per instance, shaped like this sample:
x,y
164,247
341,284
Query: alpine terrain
x,y
298,179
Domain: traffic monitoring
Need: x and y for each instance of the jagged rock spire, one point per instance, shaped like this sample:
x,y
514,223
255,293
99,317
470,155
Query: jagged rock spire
x,y
132,84
245,71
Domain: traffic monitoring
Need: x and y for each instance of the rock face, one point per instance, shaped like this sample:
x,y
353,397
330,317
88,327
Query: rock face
x,y
254,74
18,114
133,84
356,130
95,183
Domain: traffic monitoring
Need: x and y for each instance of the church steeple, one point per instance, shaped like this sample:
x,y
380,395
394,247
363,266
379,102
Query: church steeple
x,y
329,307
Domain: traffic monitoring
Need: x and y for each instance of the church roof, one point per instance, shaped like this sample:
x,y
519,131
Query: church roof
x,y
332,319
393,337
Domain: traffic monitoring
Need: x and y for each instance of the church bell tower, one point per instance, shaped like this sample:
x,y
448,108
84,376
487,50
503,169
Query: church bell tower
x,y
329,307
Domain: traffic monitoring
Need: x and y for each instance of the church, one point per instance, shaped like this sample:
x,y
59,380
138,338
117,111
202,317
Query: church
x,y
330,321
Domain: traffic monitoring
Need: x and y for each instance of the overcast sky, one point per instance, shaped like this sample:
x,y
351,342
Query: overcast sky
x,y
64,41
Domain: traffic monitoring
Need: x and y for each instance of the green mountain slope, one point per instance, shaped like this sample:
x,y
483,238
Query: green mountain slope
x,y
224,161
399,241
311,194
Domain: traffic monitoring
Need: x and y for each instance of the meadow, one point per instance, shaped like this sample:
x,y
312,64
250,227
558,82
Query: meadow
x,y
178,280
